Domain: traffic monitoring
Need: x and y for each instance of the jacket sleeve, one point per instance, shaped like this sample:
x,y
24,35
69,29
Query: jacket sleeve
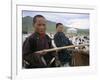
x,y
30,56
66,41
26,51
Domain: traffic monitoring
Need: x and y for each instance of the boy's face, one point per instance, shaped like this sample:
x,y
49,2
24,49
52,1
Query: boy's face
x,y
40,25
60,28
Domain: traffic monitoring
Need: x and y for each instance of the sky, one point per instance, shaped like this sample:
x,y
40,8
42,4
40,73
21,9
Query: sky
x,y
75,20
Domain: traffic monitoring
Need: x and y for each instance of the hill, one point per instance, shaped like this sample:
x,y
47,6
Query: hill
x,y
51,26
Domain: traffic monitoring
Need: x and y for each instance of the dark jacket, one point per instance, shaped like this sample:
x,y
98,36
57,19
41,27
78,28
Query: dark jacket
x,y
32,44
61,40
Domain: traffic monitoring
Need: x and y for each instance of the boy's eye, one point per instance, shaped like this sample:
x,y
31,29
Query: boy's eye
x,y
43,24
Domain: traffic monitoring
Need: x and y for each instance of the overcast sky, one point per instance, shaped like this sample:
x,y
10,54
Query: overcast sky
x,y
75,20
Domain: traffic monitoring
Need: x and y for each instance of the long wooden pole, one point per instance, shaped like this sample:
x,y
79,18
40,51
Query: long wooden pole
x,y
65,47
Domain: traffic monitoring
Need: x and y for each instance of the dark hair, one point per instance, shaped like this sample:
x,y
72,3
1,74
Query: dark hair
x,y
58,24
34,18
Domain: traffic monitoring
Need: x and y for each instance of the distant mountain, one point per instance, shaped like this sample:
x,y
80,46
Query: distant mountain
x,y
27,24
83,31
51,26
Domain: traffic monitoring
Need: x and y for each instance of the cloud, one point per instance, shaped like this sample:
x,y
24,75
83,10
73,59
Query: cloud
x,y
79,23
75,20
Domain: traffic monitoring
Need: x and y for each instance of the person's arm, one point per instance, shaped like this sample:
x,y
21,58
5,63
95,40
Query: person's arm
x,y
69,42
34,58
66,40
26,51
